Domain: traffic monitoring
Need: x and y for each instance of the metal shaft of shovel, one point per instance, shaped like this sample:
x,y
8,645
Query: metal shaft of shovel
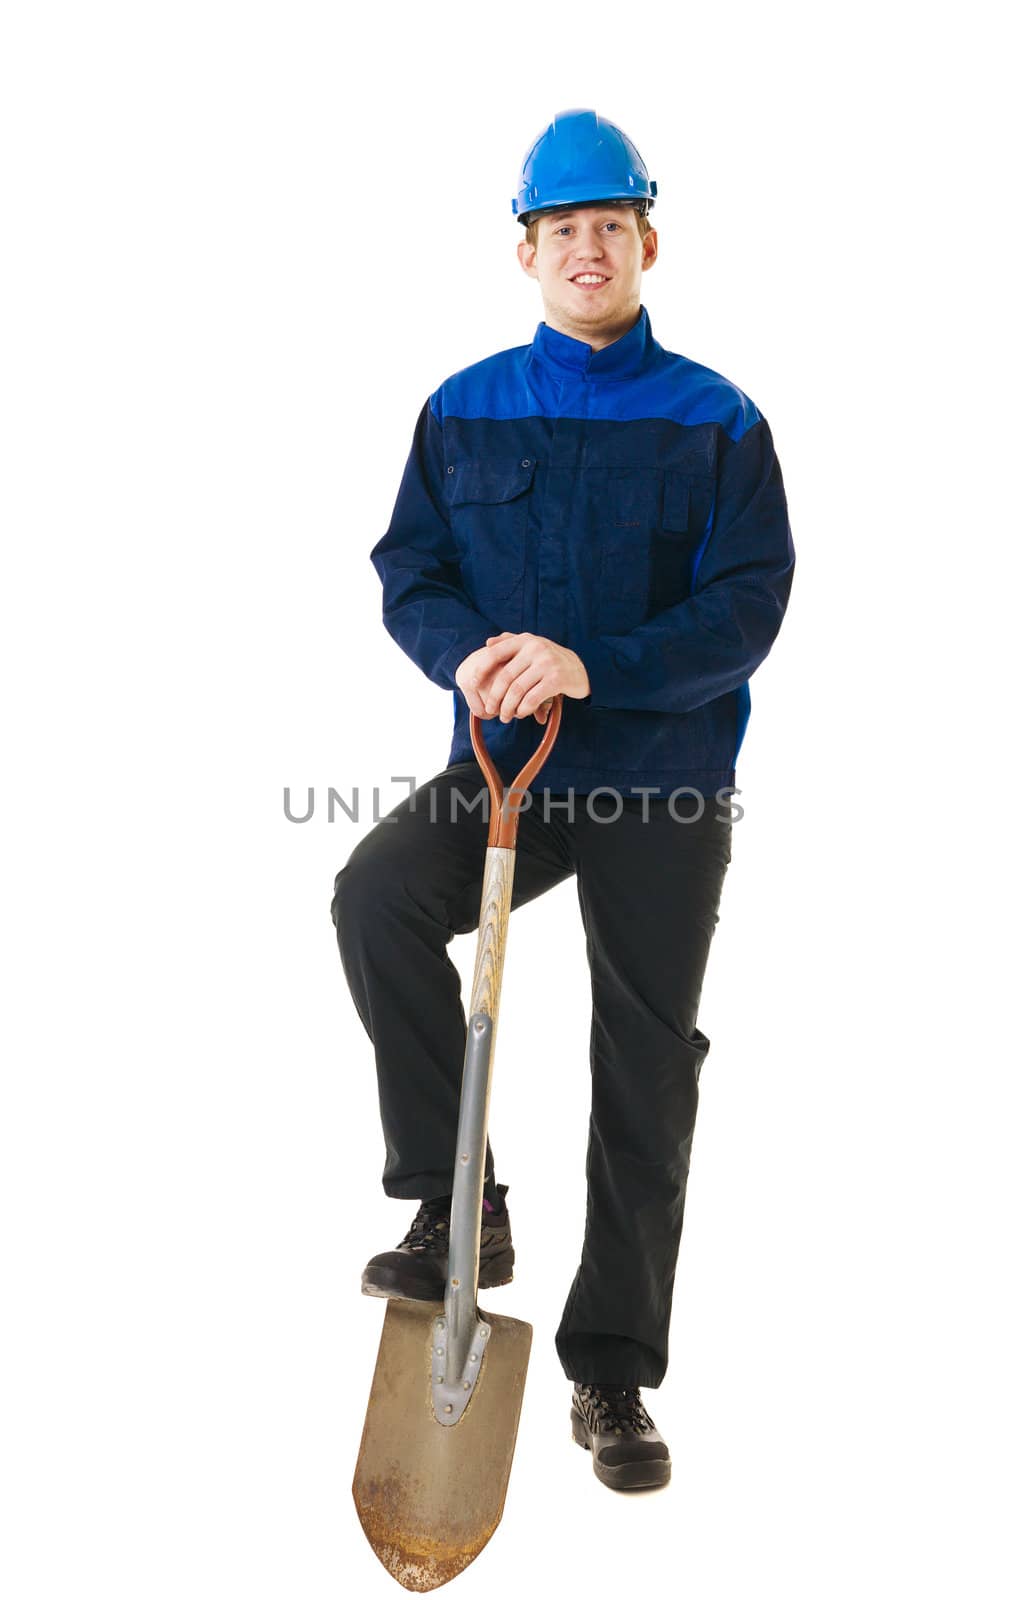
x,y
441,1424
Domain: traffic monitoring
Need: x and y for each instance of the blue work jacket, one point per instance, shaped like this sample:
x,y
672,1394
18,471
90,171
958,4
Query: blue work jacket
x,y
625,502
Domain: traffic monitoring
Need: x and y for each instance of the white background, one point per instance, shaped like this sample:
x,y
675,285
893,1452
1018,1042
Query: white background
x,y
243,243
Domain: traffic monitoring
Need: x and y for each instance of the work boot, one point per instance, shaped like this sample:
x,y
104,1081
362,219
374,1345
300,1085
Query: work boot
x,y
627,1451
417,1269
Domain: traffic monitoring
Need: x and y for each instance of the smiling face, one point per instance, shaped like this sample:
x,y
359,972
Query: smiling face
x,y
589,261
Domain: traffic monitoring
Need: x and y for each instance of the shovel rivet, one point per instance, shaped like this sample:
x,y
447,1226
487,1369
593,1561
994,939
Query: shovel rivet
x,y
441,1378
483,1331
439,1349
455,1282
447,1408
467,1383
474,1355
440,1325
464,1159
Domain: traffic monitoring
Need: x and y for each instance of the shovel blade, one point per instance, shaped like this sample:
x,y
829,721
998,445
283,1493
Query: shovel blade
x,y
429,1496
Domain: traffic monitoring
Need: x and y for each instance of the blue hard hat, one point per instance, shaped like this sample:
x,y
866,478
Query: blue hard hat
x,y
581,157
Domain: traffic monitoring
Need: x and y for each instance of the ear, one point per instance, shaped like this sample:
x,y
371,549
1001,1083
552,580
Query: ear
x,y
650,255
527,255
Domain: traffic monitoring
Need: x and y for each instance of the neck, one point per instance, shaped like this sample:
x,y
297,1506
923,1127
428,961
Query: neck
x,y
597,338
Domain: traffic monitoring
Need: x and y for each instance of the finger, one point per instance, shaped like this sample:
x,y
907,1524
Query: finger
x,y
493,689
512,657
519,691
513,680
469,690
500,655
536,696
474,702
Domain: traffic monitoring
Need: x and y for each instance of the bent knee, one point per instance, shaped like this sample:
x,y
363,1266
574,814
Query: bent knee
x,y
355,887
373,877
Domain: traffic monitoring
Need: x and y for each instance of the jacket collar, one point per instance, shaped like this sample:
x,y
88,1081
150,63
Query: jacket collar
x,y
573,358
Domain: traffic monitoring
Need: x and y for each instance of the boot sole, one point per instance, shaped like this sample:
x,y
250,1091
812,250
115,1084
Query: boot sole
x,y
652,1474
385,1284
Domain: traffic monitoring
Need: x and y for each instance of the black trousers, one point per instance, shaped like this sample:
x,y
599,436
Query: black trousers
x,y
649,893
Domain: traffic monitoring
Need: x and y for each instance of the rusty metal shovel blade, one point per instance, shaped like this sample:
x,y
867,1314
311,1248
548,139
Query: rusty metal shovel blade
x,y
430,1496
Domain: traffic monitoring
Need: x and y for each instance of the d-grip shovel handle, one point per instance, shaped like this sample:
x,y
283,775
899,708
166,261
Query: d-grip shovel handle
x,y
504,817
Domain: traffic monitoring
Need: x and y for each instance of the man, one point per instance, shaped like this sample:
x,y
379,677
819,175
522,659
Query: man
x,y
592,516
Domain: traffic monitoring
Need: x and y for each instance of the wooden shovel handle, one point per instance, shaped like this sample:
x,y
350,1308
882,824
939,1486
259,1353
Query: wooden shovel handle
x,y
503,819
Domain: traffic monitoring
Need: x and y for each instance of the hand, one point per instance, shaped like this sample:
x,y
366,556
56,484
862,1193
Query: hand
x,y
518,675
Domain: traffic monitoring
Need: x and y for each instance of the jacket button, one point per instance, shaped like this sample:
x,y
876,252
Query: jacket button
x,y
449,469
525,463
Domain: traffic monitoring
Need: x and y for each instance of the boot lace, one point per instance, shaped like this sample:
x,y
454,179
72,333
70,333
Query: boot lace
x,y
430,1228
617,1410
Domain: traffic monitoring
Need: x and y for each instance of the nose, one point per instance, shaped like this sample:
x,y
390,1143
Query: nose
x,y
588,246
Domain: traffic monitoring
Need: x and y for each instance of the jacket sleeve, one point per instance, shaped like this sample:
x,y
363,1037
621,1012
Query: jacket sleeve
x,y
712,642
424,606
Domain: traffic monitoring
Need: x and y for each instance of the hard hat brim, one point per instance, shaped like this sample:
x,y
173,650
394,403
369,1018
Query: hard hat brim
x,y
621,197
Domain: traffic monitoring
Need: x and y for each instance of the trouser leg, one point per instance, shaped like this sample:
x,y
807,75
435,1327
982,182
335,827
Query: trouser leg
x,y
408,886
649,896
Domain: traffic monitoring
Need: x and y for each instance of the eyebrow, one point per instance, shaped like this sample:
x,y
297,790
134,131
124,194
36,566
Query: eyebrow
x,y
603,211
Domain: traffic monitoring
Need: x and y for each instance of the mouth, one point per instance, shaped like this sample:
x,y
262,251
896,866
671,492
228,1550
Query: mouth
x,y
589,280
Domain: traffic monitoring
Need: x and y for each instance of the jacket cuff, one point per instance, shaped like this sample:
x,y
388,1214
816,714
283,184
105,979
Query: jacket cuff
x,y
602,673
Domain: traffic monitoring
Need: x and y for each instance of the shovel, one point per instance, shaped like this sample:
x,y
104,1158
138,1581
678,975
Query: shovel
x,y
441,1424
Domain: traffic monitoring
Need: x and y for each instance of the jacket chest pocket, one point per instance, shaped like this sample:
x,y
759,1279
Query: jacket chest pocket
x,y
624,517
649,531
489,502
675,539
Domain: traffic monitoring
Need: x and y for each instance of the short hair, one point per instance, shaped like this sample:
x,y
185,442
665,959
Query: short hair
x,y
531,223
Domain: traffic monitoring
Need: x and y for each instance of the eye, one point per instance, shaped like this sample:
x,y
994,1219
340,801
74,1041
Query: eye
x,y
612,224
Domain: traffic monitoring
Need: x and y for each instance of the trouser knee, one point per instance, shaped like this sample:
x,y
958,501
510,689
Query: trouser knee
x,y
356,893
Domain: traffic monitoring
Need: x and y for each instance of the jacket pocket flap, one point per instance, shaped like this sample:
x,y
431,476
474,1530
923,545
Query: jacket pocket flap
x,y
676,502
488,481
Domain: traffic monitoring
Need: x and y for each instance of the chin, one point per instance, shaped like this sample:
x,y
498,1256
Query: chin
x,y
591,312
